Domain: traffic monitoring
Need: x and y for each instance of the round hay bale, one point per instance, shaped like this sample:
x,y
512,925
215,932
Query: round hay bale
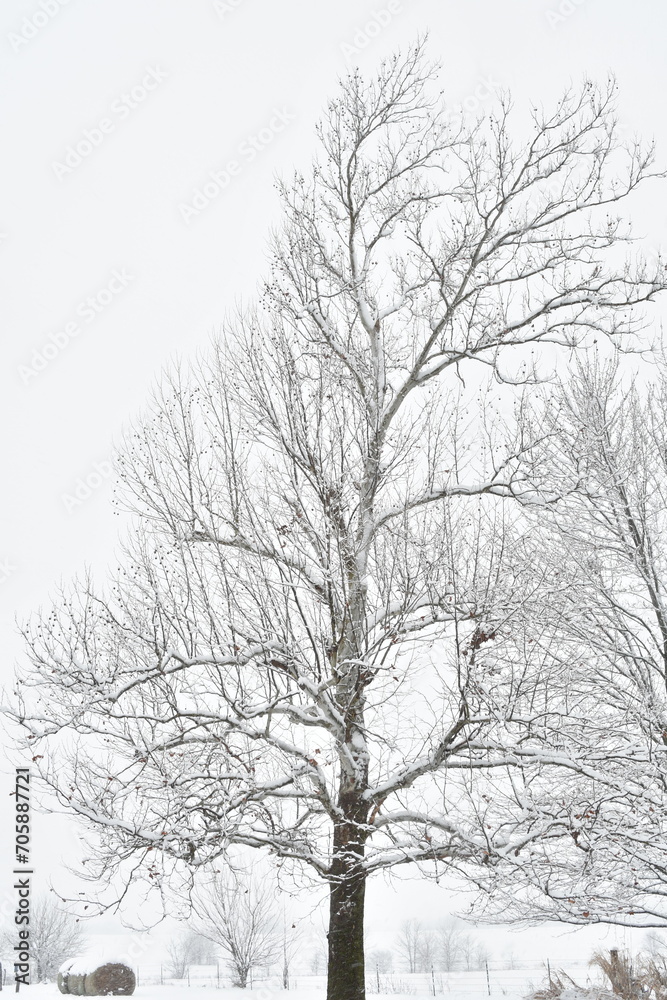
x,y
63,975
76,984
112,979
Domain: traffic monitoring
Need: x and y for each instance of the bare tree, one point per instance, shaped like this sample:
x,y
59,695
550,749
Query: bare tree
x,y
178,953
428,951
599,616
240,916
467,949
481,955
290,947
450,939
55,935
408,943
318,961
202,950
189,948
317,944
325,519
654,944
473,953
380,960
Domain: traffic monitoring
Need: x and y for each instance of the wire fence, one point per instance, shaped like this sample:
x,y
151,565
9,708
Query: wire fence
x,y
492,980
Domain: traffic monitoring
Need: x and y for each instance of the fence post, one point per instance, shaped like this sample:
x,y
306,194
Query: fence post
x,y
488,978
433,978
188,975
217,971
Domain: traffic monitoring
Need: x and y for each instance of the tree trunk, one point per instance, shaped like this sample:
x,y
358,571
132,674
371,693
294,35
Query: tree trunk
x,y
347,880
345,973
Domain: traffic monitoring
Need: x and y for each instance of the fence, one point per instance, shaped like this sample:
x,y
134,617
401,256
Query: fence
x,y
216,976
495,980
480,984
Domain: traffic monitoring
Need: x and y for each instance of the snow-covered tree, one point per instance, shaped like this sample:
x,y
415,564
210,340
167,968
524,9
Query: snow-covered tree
x,y
291,657
598,617
242,919
55,935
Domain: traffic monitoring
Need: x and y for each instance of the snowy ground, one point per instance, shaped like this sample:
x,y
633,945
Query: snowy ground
x,y
506,984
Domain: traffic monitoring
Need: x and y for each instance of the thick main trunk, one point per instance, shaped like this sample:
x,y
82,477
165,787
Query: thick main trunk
x,y
346,975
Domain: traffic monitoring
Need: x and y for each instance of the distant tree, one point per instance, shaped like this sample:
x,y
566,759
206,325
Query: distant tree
x,y
186,949
380,959
470,951
408,943
313,948
204,951
473,953
318,961
482,955
428,951
55,936
289,947
450,935
467,950
240,916
179,957
654,944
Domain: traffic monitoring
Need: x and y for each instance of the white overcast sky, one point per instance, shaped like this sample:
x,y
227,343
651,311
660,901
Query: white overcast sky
x,y
220,73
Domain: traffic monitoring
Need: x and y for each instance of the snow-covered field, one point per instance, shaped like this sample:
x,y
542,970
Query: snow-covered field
x,y
507,984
